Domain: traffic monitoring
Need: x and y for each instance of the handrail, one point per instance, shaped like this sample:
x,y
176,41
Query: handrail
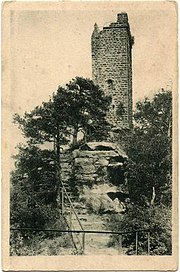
x,y
85,231
71,235
72,206
77,218
77,237
98,232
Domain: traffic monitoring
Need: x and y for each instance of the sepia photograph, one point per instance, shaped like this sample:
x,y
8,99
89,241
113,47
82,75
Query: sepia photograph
x,y
89,134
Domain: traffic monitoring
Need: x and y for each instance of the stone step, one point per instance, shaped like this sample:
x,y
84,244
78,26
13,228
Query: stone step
x,y
77,209
87,221
95,243
90,224
78,206
67,213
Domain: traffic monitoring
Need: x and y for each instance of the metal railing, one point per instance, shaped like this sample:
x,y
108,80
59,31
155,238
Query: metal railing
x,y
136,232
64,194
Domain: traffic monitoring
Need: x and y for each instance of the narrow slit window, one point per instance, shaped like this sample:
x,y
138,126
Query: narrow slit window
x,y
110,83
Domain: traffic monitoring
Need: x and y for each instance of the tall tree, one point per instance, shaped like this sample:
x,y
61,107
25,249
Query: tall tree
x,y
79,105
87,109
148,173
149,169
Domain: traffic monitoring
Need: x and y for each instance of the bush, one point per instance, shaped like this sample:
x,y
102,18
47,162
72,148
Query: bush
x,y
30,243
157,219
40,244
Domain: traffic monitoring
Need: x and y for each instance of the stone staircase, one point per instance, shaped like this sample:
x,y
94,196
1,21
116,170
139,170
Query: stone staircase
x,y
95,243
90,165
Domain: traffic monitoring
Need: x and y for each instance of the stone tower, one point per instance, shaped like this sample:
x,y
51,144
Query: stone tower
x,y
112,68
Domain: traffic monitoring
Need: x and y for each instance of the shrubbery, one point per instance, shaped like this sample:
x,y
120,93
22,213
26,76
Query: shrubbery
x,y
33,244
157,219
149,176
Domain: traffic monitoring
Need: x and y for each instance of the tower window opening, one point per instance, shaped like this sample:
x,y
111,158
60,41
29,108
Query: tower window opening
x,y
113,106
110,83
120,111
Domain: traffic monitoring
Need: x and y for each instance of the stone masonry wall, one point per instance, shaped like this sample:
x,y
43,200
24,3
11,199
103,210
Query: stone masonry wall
x,y
112,69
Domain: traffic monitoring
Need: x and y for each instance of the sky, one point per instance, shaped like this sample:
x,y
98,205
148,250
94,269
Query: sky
x,y
51,44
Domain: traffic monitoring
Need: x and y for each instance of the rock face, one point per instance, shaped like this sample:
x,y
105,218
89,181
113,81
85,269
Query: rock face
x,y
94,163
91,174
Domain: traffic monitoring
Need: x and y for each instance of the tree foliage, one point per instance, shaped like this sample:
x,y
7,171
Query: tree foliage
x,y
80,104
157,219
149,168
33,187
36,179
149,176
87,108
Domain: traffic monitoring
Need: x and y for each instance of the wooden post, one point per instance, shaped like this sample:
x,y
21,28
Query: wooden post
x,y
83,243
136,242
148,243
120,244
62,201
54,145
70,225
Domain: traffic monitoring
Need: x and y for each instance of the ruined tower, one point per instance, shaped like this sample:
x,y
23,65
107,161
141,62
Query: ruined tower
x,y
112,68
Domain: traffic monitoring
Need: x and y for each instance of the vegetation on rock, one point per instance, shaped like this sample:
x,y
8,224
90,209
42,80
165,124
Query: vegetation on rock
x,y
36,179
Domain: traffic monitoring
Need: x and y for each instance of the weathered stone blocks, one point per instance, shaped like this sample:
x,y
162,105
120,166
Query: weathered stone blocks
x,y
90,167
111,60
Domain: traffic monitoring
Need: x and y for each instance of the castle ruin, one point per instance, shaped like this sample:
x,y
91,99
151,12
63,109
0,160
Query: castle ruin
x,y
112,68
97,163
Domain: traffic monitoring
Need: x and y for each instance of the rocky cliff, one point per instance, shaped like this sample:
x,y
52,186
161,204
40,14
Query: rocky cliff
x,y
92,165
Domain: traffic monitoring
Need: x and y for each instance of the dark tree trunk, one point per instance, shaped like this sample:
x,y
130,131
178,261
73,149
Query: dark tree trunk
x,y
58,146
75,136
153,196
58,166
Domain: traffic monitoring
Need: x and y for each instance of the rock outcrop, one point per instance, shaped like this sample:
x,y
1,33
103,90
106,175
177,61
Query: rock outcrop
x,y
94,163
